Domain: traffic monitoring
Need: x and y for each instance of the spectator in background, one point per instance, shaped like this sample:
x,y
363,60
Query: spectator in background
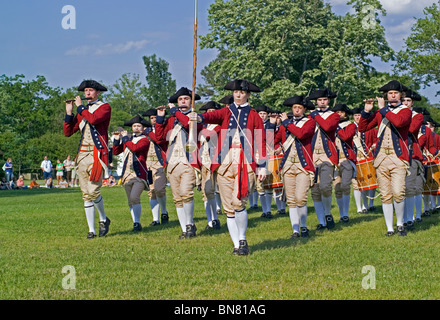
x,y
46,167
4,185
60,171
68,164
63,183
34,184
8,170
49,183
20,183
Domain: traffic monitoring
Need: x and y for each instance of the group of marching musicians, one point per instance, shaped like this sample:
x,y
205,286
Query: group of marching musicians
x,y
320,151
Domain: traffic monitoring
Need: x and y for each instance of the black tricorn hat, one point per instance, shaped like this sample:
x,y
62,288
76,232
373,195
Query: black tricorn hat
x,y
419,110
413,95
342,107
210,105
263,108
302,100
182,92
91,84
150,112
393,85
322,93
229,99
357,110
242,84
137,119
428,118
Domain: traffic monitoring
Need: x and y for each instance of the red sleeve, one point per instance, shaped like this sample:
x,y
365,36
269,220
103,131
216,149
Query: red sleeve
x,y
416,123
369,123
348,132
103,113
216,117
118,149
307,130
142,145
71,127
330,124
280,135
401,119
430,142
162,130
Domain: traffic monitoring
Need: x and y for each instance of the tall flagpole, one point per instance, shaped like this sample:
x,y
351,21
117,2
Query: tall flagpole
x,y
192,136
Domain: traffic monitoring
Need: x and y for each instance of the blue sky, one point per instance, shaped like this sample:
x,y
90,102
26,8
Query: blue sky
x,y
112,36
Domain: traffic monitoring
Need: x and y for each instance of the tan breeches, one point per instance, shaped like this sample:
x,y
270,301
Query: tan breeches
x,y
208,184
391,175
414,182
228,187
323,187
158,187
344,176
182,181
91,190
296,183
134,188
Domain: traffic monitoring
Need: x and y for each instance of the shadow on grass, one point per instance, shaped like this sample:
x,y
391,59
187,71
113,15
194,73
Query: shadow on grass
x,y
33,192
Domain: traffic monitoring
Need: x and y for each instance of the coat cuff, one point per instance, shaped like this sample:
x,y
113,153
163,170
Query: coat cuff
x,y
365,114
80,109
384,111
285,123
160,119
69,118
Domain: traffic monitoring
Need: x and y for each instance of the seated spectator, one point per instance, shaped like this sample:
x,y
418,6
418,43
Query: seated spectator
x,y
63,183
4,185
49,183
13,183
111,181
20,183
34,184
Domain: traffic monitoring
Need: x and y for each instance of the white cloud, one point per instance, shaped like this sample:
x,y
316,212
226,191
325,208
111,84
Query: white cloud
x,y
407,7
107,49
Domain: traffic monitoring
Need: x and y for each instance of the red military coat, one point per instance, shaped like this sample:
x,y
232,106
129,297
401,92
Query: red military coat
x,y
255,134
99,121
304,135
164,127
400,122
140,151
346,133
327,122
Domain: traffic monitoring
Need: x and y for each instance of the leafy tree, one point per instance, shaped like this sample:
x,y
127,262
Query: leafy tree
x,y
160,85
291,47
421,56
128,94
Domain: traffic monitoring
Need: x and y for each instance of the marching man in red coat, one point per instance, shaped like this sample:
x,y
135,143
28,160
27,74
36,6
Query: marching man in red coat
x,y
297,167
325,155
242,134
347,160
182,167
392,151
92,159
134,170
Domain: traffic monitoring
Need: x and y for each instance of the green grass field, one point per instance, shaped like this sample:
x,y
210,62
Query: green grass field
x,y
42,231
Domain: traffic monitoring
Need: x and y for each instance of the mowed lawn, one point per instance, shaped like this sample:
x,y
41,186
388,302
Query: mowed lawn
x,y
42,232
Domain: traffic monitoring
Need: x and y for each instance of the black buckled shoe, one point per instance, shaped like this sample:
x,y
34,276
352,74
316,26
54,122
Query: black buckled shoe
x,y
216,224
410,225
401,231
330,222
137,227
344,219
91,235
190,231
164,218
243,249
295,235
104,227
320,227
304,232
183,235
389,233
154,223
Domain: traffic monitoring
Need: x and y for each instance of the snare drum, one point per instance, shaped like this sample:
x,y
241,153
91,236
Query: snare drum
x,y
273,178
366,174
432,173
